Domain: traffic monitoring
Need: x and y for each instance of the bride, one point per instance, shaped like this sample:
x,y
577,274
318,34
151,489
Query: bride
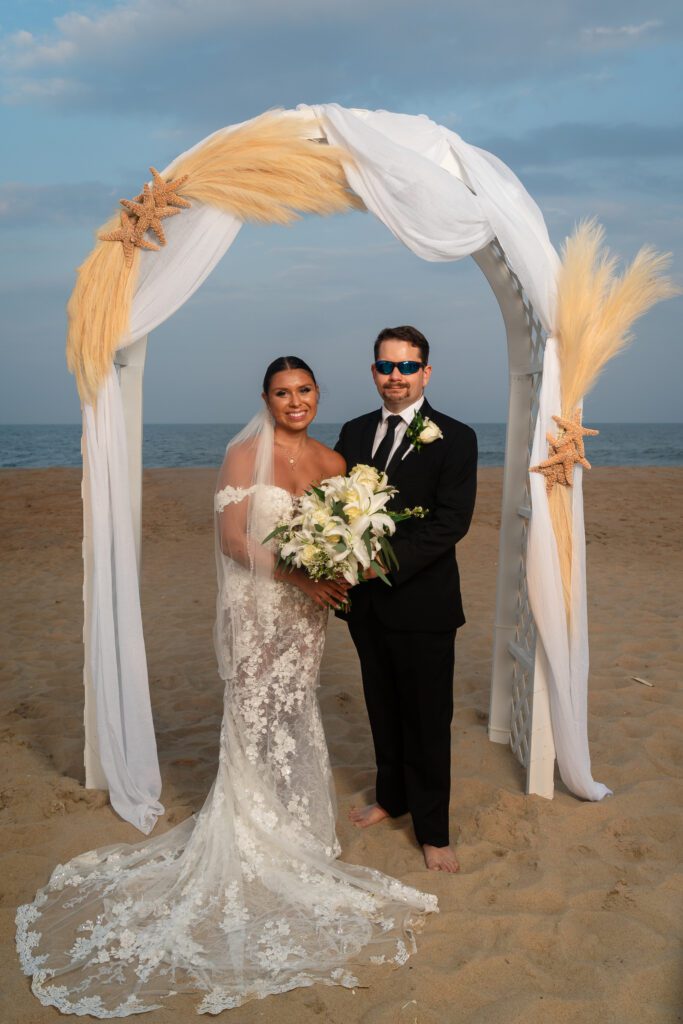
x,y
245,898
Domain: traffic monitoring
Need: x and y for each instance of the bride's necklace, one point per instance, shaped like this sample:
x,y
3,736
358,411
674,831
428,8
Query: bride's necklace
x,y
292,459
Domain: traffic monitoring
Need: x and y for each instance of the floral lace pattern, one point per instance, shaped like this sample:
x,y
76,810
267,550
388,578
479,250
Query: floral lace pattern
x,y
244,899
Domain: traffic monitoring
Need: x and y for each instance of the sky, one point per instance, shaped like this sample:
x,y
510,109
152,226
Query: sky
x,y
581,99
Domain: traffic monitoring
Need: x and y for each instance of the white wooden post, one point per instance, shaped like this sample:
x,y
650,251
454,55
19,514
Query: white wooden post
x,y
519,706
130,363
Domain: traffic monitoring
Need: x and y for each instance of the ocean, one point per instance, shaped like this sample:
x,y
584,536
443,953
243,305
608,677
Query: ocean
x,y
176,445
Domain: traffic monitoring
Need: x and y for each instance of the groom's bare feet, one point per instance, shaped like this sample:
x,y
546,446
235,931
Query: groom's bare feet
x,y
366,816
440,858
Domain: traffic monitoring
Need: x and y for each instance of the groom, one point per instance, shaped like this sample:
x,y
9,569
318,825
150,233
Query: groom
x,y
405,634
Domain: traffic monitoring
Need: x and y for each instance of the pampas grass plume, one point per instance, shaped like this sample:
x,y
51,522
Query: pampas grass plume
x,y
267,171
596,310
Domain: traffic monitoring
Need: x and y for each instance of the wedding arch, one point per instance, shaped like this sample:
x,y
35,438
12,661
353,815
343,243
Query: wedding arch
x,y
444,199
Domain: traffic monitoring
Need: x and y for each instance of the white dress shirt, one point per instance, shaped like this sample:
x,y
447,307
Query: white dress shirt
x,y
406,415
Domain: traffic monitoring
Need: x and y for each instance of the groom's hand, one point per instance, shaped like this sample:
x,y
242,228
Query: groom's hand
x,y
370,574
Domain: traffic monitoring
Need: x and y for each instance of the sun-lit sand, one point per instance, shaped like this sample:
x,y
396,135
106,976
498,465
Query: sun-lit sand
x,y
563,911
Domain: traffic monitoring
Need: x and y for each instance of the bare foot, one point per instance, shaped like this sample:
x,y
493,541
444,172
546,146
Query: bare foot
x,y
440,858
367,816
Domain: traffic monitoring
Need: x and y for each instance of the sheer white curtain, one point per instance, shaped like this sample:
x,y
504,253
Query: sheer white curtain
x,y
118,666
444,199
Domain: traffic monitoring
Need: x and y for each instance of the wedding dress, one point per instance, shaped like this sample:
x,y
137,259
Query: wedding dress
x,y
245,898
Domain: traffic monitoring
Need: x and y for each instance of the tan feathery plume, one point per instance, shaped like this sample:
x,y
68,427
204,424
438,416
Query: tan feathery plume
x,y
595,313
596,309
267,170
99,311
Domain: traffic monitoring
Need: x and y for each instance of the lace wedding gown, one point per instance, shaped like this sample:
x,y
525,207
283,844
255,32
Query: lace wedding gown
x,y
245,898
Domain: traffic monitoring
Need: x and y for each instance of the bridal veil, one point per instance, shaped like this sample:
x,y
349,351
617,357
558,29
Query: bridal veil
x,y
246,898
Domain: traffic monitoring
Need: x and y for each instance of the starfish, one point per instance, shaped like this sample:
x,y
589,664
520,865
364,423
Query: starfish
x,y
566,456
128,235
575,432
149,214
554,471
564,452
164,192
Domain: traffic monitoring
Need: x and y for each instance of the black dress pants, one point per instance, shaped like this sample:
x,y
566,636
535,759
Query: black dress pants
x,y
408,686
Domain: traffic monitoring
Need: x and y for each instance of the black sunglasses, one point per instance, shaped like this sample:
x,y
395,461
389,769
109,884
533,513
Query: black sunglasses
x,y
405,366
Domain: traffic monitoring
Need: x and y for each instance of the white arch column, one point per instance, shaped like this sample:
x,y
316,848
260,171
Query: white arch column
x,y
519,711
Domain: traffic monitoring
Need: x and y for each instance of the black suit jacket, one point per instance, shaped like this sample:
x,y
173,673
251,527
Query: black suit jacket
x,y
442,476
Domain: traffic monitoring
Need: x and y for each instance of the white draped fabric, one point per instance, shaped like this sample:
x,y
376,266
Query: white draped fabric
x,y
444,199
405,167
125,732
563,654
118,665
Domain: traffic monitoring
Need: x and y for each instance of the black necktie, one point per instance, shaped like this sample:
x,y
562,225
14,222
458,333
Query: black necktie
x,y
381,456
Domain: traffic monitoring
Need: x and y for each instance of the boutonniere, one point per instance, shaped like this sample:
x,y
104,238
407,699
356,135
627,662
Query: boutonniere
x,y
422,430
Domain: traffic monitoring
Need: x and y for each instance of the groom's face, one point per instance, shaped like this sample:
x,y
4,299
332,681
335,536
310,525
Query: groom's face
x,y
398,390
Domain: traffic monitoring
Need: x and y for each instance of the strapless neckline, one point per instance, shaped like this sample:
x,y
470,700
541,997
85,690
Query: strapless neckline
x,y
285,490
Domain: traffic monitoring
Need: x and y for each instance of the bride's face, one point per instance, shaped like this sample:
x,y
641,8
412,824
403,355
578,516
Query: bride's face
x,y
292,399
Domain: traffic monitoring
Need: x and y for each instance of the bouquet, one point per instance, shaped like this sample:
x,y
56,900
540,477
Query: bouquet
x,y
341,527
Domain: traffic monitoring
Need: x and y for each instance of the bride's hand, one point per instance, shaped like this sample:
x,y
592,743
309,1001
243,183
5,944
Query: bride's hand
x,y
326,593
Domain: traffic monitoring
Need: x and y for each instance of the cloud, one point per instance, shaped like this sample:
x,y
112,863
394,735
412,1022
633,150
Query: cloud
x,y
208,60
604,35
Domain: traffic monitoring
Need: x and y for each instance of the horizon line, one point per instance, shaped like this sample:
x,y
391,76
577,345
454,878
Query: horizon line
x,y
324,423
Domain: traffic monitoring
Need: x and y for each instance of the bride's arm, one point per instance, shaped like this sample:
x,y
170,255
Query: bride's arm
x,y
233,530
233,492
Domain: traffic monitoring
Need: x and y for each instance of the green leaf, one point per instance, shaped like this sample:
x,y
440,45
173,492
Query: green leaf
x,y
380,572
318,493
277,532
388,552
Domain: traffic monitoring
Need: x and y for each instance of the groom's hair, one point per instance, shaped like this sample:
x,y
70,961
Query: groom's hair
x,y
405,333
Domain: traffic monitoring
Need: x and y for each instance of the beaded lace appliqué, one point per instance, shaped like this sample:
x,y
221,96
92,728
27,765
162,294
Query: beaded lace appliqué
x,y
246,898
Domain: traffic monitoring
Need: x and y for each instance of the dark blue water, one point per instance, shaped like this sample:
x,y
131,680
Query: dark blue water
x,y
203,444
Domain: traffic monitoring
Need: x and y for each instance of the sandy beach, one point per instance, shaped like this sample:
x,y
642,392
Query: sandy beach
x,y
564,911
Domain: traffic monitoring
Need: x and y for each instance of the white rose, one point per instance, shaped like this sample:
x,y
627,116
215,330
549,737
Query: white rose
x,y
366,475
430,432
308,554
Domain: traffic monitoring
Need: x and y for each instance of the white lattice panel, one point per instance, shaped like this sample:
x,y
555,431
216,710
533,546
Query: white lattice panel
x,y
515,648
